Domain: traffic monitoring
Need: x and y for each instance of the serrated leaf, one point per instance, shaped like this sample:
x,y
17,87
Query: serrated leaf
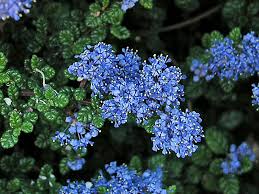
x,y
135,163
156,161
14,185
215,167
231,119
202,156
8,140
210,182
79,94
15,119
216,140
120,32
3,61
148,4
229,185
31,117
63,168
26,164
42,141
27,127
98,121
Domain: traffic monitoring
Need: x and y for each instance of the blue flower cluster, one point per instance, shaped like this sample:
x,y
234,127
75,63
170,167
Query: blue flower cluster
x,y
128,86
233,164
228,61
77,135
176,131
76,164
127,4
13,8
255,96
121,180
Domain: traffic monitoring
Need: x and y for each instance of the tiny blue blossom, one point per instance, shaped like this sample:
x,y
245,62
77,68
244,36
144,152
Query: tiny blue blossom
x,y
255,96
76,164
127,4
14,8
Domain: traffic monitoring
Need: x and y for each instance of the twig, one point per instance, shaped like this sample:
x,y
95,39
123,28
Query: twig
x,y
190,21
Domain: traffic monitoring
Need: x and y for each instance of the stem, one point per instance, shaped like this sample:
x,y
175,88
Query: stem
x,y
43,77
191,21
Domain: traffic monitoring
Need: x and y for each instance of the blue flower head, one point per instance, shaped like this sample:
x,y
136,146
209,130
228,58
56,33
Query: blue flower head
x,y
76,164
77,135
233,163
120,180
127,4
229,61
14,8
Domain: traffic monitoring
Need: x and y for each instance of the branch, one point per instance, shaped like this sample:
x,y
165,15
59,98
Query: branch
x,y
190,21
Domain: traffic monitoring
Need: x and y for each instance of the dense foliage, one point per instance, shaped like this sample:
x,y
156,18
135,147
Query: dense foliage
x,y
132,96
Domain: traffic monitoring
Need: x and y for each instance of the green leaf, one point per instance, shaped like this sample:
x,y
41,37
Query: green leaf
x,y
229,185
98,121
235,35
156,161
93,21
194,174
148,4
215,167
62,100
51,115
84,115
135,163
48,71
4,78
79,94
216,140
46,177
15,119
14,185
120,32
210,182
231,119
13,91
98,35
202,156
63,168
50,93
31,117
8,140
36,62
66,37
150,124
3,61
174,168
114,15
27,127
246,165
26,164
42,140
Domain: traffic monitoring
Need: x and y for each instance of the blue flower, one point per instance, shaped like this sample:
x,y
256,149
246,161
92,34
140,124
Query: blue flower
x,y
77,135
120,180
128,86
14,8
233,163
76,164
255,96
127,4
229,61
177,131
